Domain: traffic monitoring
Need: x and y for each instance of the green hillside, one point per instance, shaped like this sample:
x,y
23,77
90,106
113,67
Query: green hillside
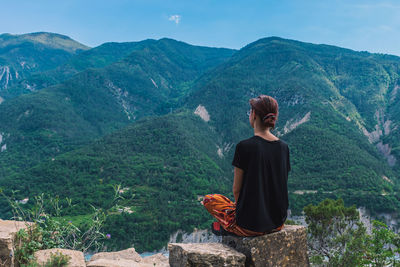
x,y
50,40
22,55
163,163
195,57
97,57
149,81
324,114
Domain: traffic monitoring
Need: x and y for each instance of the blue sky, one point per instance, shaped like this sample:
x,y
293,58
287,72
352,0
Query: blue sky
x,y
360,25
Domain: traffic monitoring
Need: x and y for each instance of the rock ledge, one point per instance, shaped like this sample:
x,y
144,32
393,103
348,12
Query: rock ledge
x,y
204,255
287,247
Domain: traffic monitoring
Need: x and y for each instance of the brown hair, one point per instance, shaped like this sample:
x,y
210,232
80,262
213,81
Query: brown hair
x,y
266,107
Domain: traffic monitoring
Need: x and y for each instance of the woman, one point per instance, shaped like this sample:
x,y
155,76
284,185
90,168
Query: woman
x,y
261,166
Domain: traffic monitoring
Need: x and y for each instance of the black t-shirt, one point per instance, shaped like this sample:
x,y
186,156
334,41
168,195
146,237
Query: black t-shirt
x,y
263,200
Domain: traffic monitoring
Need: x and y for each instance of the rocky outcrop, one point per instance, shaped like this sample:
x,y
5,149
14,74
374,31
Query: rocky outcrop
x,y
204,255
8,230
287,247
383,128
76,258
126,258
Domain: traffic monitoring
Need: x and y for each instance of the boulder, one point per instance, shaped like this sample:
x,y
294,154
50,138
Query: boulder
x,y
127,254
126,258
76,257
204,255
8,230
287,247
158,260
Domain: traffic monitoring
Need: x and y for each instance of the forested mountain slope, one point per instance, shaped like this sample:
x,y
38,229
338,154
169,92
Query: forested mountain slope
x,y
149,81
337,111
21,55
97,57
108,53
163,164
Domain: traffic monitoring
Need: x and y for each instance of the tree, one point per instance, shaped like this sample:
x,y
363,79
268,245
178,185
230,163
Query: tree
x,y
336,235
382,246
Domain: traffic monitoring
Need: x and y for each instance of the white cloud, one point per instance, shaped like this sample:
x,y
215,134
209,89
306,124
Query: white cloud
x,y
175,18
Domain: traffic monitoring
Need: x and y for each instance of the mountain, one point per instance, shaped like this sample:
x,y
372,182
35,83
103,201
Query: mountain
x,y
162,118
149,81
337,113
163,164
98,57
108,53
21,55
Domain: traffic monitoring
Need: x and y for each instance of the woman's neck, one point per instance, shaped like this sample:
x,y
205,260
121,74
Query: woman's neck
x,y
263,132
266,134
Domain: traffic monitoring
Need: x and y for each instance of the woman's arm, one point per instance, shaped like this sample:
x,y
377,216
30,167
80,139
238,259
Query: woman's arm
x,y
237,182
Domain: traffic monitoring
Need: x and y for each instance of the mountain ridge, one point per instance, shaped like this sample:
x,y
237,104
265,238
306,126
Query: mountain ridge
x,y
46,38
21,55
97,101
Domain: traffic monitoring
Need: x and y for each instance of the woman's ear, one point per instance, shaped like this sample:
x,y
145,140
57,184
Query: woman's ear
x,y
253,114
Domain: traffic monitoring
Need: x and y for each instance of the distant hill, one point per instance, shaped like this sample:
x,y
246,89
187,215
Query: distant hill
x,y
108,53
21,55
97,57
49,40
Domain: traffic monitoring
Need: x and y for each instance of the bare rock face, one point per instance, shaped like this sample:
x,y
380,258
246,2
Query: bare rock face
x,y
287,247
126,258
76,257
204,255
8,230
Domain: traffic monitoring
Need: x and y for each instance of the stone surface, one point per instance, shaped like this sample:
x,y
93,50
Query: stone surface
x,y
158,260
8,230
127,254
112,263
126,258
76,257
204,255
287,247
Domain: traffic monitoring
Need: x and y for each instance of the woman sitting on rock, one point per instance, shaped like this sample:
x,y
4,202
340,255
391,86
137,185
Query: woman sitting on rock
x,y
261,166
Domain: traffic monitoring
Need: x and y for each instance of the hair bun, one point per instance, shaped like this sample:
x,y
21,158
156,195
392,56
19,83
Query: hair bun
x,y
266,109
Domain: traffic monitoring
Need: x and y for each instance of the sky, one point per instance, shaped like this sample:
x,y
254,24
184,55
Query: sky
x,y
372,26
